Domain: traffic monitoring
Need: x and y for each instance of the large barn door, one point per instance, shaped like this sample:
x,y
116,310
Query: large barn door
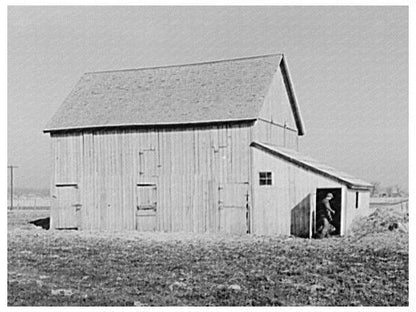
x,y
233,208
68,207
146,207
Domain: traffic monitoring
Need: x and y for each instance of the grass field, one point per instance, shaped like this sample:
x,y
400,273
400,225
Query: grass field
x,y
50,268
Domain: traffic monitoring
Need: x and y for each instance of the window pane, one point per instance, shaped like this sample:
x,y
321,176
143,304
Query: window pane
x,y
265,178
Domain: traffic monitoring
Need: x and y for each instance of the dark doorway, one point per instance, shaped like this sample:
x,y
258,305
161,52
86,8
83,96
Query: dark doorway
x,y
335,205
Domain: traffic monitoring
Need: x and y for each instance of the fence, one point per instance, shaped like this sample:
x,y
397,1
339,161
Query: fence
x,y
29,203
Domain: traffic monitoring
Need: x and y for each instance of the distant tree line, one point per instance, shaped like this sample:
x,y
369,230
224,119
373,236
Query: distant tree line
x,y
387,191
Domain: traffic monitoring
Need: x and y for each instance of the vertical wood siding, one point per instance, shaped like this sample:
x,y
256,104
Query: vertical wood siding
x,y
274,115
300,218
268,133
67,207
187,165
66,157
276,105
52,187
293,188
354,213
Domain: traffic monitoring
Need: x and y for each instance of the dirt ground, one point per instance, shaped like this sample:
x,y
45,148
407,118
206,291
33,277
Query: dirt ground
x,y
57,268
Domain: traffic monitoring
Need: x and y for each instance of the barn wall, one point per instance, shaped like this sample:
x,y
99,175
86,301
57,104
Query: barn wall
x,y
352,212
66,156
293,190
52,187
276,105
269,133
195,170
276,124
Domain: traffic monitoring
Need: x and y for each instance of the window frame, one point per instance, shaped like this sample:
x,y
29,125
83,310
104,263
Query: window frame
x,y
265,178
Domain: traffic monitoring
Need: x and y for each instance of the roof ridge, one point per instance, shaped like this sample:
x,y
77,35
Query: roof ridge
x,y
183,65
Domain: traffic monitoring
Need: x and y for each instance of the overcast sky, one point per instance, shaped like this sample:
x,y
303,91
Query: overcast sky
x,y
349,67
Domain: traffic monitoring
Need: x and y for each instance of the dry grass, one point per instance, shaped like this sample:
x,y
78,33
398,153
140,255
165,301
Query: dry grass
x,y
19,218
78,268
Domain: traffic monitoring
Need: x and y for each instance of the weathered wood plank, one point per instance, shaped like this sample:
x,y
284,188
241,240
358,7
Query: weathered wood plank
x,y
186,165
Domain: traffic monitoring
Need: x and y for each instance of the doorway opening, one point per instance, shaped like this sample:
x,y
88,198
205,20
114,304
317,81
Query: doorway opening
x,y
335,203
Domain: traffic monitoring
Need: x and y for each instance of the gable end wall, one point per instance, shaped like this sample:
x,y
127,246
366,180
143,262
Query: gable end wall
x,y
276,113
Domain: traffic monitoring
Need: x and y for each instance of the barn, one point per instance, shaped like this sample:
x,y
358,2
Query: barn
x,y
207,147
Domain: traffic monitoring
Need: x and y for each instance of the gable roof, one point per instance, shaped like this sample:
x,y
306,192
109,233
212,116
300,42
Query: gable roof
x,y
219,91
313,165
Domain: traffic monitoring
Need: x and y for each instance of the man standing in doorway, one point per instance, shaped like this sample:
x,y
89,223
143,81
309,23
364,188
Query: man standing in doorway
x,y
324,217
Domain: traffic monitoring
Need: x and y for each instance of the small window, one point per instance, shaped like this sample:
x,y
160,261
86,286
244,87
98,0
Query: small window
x,y
356,199
265,178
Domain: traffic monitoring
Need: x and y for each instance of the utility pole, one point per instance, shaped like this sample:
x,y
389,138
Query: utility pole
x,y
11,184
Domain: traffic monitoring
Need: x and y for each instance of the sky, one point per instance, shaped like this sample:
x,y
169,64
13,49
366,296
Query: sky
x,y
349,68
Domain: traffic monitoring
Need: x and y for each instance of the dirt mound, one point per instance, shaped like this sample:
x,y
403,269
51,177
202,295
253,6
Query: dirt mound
x,y
381,220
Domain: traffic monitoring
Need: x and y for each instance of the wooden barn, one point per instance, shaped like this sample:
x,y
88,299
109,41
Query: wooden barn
x,y
208,147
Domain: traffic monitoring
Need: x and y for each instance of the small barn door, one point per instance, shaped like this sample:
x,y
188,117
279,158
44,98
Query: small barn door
x,y
68,207
146,207
233,208
335,204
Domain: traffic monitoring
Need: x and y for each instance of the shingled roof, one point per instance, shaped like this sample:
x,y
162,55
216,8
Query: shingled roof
x,y
313,165
219,91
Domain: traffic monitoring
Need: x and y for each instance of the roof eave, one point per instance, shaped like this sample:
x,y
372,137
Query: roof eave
x,y
142,125
360,187
292,96
308,167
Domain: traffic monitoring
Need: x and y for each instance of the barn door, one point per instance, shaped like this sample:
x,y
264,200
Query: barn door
x,y
68,207
233,208
146,207
335,203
